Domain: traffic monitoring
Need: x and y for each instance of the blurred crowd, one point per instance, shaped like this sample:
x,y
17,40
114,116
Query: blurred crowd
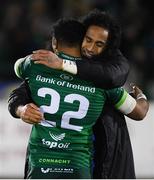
x,y
25,26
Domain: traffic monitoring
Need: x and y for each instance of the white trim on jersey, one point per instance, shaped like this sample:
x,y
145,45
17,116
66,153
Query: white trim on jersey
x,y
128,105
16,66
17,63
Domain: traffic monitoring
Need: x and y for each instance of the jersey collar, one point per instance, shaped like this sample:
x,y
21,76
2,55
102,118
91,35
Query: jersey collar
x,y
68,57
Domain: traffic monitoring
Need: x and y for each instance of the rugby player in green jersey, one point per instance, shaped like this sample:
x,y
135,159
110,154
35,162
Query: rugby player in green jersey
x,y
60,146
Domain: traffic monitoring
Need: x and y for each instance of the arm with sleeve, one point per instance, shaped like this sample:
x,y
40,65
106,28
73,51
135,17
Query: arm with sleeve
x,y
121,100
133,108
107,73
20,95
21,67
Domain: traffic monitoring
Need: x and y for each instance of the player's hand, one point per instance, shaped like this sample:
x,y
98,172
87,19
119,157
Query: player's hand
x,y
136,91
30,113
47,58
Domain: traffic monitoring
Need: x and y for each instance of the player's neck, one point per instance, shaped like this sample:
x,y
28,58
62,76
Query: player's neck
x,y
75,52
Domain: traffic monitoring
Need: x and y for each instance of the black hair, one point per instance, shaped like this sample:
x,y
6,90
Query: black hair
x,y
68,32
105,20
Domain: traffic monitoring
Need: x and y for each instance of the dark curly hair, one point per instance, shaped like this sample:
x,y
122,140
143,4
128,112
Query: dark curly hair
x,y
105,20
69,32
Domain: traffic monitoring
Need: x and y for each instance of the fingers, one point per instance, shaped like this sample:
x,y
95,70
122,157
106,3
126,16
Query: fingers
x,y
133,86
34,106
31,120
31,114
39,56
47,58
136,90
42,51
42,54
41,62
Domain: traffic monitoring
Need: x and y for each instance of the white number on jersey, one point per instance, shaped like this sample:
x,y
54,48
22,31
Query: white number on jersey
x,y
54,107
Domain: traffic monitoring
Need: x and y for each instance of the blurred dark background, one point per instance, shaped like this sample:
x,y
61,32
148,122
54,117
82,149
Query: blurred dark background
x,y
25,26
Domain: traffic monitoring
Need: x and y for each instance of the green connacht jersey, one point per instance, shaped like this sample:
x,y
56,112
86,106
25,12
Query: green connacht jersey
x,y
71,107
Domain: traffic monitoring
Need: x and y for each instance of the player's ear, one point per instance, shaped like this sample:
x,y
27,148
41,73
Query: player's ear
x,y
54,44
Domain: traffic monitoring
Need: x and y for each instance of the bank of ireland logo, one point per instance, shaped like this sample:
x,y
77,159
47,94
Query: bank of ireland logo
x,y
57,137
66,77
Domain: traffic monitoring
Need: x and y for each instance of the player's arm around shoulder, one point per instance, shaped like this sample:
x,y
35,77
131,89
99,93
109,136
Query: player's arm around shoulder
x,y
135,106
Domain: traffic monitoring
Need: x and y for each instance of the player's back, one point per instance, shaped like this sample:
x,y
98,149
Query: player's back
x,y
70,106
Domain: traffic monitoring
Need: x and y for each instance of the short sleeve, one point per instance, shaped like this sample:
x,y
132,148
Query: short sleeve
x,y
22,67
